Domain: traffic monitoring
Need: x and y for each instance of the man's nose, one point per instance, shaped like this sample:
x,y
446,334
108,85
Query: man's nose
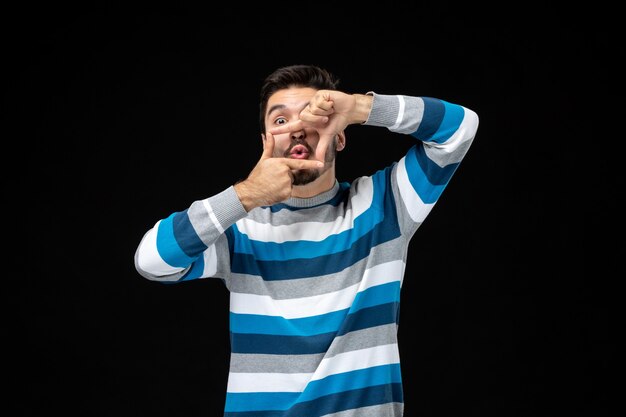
x,y
298,134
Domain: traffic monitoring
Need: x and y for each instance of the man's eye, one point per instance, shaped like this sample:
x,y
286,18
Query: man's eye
x,y
280,121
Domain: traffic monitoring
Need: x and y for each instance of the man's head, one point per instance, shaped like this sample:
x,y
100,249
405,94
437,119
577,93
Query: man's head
x,y
294,76
284,95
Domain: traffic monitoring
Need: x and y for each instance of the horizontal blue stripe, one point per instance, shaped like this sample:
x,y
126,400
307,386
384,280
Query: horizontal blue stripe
x,y
305,326
434,111
301,345
452,119
384,231
370,317
186,235
362,378
334,384
196,270
322,265
377,295
280,345
168,247
259,401
440,120
313,325
334,403
306,249
427,178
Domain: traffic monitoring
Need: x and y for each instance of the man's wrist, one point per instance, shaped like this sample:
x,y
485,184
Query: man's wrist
x,y
362,108
246,202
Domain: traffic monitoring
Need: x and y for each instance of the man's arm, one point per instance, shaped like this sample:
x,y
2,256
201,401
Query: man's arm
x,y
444,132
175,248
445,129
186,245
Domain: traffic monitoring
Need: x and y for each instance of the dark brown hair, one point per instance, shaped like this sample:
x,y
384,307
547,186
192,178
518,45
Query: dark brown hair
x,y
294,76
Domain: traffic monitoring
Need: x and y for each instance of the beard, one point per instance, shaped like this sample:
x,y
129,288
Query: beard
x,y
306,176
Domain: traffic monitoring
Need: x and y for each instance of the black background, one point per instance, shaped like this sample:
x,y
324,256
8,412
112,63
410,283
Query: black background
x,y
115,120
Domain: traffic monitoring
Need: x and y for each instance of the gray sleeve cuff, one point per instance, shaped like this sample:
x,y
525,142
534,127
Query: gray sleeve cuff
x,y
385,110
227,207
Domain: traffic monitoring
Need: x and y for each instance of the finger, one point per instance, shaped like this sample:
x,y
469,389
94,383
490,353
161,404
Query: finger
x,y
315,116
322,147
323,102
316,110
287,127
268,146
314,120
303,163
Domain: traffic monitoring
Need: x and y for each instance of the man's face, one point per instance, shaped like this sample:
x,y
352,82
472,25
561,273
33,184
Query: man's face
x,y
284,106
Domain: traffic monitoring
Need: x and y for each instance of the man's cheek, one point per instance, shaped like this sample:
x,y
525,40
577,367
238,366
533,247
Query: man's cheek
x,y
281,144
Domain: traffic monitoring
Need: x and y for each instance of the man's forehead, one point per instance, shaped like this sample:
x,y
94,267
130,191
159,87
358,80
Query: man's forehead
x,y
291,97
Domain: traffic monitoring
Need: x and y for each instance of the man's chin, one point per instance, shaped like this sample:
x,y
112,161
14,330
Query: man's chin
x,y
305,176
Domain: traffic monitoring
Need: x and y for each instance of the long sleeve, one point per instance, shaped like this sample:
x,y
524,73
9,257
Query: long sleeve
x,y
186,244
445,132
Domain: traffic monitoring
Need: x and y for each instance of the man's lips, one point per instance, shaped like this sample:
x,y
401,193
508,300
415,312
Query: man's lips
x,y
299,152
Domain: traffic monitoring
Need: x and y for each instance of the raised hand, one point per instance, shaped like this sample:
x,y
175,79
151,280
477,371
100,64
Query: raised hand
x,y
271,180
329,112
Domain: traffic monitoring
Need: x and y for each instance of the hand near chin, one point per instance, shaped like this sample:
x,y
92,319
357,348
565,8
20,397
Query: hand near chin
x,y
271,180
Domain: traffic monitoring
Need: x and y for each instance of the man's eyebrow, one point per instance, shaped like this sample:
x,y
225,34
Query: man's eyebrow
x,y
275,107
282,106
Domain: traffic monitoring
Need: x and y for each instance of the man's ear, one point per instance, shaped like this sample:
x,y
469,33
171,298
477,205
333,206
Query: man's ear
x,y
341,141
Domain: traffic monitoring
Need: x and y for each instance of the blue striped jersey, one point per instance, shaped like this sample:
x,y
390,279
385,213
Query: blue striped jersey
x,y
315,283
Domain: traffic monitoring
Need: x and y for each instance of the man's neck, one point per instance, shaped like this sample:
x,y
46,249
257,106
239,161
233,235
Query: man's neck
x,y
324,183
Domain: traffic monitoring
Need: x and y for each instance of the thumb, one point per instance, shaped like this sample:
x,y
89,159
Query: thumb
x,y
268,146
322,147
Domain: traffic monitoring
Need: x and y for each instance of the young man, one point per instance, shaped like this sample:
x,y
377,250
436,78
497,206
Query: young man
x,y
314,266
